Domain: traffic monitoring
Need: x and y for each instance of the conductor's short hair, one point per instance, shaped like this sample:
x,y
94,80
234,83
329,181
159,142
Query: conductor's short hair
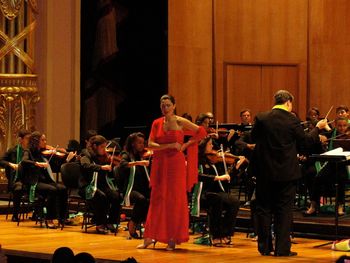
x,y
282,96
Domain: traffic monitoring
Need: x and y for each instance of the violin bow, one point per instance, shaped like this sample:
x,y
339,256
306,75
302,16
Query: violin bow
x,y
53,152
112,155
109,143
223,158
339,135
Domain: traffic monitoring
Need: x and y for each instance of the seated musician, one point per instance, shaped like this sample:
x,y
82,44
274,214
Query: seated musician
x,y
97,168
246,117
203,120
38,177
211,117
134,175
342,111
10,161
86,142
187,116
216,197
313,114
245,145
325,178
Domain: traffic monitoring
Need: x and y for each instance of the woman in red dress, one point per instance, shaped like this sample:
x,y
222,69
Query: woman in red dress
x,y
171,175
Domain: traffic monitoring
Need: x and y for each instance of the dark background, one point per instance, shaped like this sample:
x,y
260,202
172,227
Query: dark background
x,y
137,74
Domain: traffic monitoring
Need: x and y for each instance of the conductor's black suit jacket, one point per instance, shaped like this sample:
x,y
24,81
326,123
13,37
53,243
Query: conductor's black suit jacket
x,y
277,135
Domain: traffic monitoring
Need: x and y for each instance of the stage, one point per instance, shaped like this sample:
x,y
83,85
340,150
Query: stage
x,y
33,241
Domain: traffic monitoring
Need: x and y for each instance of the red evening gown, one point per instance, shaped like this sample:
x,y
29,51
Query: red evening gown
x,y
168,212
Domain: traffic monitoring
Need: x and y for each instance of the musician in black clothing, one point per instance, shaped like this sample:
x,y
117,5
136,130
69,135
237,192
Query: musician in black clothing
x,y
324,181
38,177
96,163
275,165
134,178
10,161
222,206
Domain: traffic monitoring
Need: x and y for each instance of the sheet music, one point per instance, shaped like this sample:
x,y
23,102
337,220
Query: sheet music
x,y
338,152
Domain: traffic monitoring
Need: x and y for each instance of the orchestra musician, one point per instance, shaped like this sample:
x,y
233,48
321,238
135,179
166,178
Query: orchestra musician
x,y
275,165
246,117
134,177
211,117
187,116
313,114
221,204
342,111
203,120
97,167
10,161
86,142
38,177
325,179
167,218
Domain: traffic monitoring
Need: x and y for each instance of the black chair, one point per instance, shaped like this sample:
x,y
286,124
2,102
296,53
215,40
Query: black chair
x,y
37,206
70,173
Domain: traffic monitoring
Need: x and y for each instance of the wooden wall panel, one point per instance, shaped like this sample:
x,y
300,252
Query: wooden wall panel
x,y
190,55
329,53
241,88
310,35
275,77
254,85
260,31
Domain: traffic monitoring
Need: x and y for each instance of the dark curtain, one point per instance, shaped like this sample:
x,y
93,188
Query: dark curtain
x,y
123,64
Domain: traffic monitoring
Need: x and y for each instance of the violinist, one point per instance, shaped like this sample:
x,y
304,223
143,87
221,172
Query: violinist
x,y
325,172
86,142
204,120
38,177
73,147
187,116
215,195
10,161
342,111
134,173
313,114
105,199
211,117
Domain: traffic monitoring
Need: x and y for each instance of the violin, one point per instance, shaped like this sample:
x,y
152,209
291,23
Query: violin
x,y
54,151
109,157
216,157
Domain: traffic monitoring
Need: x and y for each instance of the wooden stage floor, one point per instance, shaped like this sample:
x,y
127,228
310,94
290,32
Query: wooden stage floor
x,y
30,238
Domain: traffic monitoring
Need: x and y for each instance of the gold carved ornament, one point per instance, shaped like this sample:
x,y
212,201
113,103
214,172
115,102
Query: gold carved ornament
x,y
11,8
12,45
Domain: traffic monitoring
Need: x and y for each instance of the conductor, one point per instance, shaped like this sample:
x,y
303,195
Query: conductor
x,y
277,134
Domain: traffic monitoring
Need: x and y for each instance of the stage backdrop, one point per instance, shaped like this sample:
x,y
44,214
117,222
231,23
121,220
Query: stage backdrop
x,y
225,55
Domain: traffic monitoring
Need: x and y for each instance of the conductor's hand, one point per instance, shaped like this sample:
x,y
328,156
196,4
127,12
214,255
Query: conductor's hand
x,y
323,139
322,124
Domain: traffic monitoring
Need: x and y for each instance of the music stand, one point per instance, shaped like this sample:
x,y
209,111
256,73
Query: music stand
x,y
336,159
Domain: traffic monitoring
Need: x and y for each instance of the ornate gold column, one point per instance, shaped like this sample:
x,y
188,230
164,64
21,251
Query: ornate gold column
x,y
18,81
